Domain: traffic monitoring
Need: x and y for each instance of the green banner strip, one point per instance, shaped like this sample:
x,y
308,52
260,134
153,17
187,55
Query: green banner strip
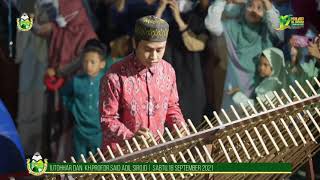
x,y
96,168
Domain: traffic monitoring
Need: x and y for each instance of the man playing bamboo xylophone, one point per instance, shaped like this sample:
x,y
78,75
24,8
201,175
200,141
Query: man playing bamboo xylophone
x,y
138,95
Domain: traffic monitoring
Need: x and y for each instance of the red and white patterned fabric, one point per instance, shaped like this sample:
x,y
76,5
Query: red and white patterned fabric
x,y
133,97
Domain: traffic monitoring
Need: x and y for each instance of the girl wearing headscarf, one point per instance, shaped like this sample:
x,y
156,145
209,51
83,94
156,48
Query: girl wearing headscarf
x,y
246,36
273,71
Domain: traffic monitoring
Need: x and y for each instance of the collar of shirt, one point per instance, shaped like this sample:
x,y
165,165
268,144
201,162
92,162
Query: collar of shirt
x,y
142,69
96,78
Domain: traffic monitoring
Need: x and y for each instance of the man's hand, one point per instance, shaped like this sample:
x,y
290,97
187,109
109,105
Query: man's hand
x,y
143,132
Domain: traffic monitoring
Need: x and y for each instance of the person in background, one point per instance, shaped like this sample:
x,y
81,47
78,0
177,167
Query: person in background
x,y
32,56
75,67
81,98
185,50
119,48
111,17
276,74
246,37
68,33
272,70
302,71
138,95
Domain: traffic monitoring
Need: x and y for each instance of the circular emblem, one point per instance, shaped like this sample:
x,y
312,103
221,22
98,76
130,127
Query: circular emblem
x,y
37,166
24,23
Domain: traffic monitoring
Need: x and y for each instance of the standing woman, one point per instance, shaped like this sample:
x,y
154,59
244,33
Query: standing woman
x,y
246,37
185,47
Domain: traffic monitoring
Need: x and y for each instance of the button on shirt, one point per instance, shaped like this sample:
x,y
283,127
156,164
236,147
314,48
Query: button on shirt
x,y
134,97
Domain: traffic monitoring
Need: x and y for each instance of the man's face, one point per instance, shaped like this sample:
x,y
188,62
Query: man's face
x,y
255,11
150,53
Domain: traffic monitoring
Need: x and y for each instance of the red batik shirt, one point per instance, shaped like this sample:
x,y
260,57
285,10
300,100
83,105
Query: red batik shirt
x,y
134,97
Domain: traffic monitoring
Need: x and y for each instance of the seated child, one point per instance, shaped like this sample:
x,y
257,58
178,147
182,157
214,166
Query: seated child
x,y
273,71
81,96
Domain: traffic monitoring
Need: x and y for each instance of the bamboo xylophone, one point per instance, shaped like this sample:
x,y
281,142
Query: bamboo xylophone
x,y
281,128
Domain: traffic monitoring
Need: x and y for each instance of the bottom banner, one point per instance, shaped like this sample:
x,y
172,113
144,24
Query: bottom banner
x,y
163,168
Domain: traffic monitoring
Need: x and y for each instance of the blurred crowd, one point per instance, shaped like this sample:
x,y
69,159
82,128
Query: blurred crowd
x,y
224,52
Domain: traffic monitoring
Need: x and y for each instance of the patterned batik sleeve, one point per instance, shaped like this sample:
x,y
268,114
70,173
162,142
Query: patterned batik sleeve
x,y
174,115
113,129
